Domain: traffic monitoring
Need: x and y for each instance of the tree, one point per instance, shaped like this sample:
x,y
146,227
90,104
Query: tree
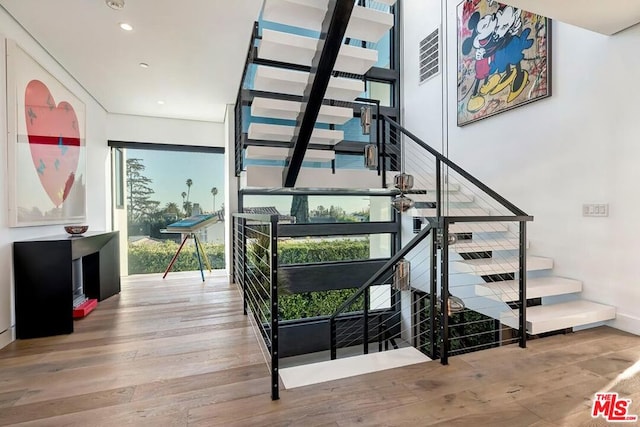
x,y
300,208
186,204
171,210
140,206
189,184
214,193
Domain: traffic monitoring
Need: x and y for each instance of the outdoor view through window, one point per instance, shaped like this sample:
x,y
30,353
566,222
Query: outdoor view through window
x,y
163,187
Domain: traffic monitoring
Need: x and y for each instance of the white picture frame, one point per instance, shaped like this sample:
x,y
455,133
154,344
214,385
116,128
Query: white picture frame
x,y
46,126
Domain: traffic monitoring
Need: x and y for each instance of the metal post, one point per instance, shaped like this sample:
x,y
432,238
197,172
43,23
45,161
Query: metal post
x,y
365,319
234,249
438,188
444,269
378,146
380,334
522,279
415,313
433,336
334,338
275,380
383,154
243,253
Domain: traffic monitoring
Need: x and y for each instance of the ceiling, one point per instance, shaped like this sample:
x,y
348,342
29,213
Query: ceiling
x,y
195,49
605,17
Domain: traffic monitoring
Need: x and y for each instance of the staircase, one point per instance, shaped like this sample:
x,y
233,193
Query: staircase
x,y
469,265
484,256
281,54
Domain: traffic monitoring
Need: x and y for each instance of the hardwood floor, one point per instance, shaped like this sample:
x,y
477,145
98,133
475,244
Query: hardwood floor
x,y
177,352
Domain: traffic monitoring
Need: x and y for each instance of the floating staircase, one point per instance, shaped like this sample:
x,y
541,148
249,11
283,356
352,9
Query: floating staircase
x,y
284,49
491,256
484,252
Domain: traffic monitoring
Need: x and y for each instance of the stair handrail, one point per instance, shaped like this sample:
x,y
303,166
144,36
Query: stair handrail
x,y
442,223
497,197
376,276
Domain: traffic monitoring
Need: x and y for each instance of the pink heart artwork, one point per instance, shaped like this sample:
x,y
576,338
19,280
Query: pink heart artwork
x,y
54,140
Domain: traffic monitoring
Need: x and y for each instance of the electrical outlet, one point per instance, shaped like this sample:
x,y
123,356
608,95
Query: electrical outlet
x,y
597,209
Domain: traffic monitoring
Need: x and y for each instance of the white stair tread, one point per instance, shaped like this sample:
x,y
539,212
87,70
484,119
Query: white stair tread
x,y
430,197
553,317
487,266
271,177
290,82
365,23
482,245
431,212
281,153
538,287
314,373
269,132
289,110
295,49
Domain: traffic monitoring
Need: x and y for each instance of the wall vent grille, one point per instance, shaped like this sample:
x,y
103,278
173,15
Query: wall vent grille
x,y
429,60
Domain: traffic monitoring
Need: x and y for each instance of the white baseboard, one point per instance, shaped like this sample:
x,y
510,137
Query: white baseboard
x,y
7,337
626,322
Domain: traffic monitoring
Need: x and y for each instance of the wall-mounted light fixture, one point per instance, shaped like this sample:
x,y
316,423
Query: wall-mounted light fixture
x,y
403,182
402,275
371,156
365,120
402,203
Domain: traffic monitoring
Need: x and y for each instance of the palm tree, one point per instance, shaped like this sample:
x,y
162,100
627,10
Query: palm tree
x,y
184,201
214,193
189,184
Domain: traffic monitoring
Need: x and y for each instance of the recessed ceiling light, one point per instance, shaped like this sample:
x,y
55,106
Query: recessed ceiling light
x,y
126,27
144,65
115,4
160,102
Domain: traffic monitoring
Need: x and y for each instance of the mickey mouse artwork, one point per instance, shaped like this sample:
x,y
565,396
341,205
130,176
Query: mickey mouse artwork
x,y
502,58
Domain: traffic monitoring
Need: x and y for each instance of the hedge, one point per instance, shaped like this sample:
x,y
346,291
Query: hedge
x,y
154,257
302,252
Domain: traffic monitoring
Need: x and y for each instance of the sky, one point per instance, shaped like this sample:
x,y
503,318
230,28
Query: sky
x,y
169,171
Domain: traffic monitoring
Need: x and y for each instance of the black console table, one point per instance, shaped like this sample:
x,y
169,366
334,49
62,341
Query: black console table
x,y
43,279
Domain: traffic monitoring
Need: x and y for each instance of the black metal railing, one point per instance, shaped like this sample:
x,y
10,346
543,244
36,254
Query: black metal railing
x,y
482,243
362,325
476,295
256,272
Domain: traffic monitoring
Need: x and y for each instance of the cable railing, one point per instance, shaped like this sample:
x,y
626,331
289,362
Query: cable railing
x,y
482,241
255,270
469,290
373,314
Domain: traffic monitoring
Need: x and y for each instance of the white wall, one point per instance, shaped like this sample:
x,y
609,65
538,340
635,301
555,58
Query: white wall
x,y
98,187
551,156
121,127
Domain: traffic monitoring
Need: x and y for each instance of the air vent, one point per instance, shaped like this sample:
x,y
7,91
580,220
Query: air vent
x,y
430,56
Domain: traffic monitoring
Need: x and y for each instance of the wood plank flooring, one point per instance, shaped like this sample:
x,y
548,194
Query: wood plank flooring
x,y
178,352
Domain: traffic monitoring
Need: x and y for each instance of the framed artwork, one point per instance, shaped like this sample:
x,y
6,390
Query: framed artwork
x,y
503,59
46,138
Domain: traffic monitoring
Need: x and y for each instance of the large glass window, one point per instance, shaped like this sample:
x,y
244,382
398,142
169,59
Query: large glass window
x,y
162,187
305,209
